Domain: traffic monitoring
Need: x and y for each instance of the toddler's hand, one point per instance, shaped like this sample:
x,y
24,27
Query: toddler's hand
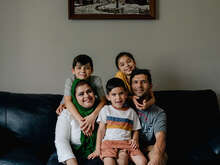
x,y
93,155
134,144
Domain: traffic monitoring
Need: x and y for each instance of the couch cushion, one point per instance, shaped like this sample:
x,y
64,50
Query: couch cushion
x,y
21,156
7,140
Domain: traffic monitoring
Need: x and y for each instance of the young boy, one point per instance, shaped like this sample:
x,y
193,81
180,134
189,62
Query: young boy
x,y
82,68
117,137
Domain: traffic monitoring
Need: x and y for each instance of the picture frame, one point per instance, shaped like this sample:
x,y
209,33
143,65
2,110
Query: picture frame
x,y
112,9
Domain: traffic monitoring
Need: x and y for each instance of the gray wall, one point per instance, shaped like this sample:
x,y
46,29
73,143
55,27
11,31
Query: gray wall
x,y
38,43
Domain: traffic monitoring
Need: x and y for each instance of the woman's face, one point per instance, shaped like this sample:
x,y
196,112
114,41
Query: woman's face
x,y
126,65
85,96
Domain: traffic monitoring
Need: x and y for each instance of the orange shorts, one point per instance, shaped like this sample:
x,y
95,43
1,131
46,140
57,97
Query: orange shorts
x,y
110,148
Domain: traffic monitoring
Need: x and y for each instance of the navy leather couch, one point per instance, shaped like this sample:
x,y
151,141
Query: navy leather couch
x,y
27,125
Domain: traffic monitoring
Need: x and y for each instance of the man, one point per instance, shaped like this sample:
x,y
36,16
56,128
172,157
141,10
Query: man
x,y
153,118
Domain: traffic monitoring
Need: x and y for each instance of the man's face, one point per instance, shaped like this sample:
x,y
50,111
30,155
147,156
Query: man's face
x,y
140,85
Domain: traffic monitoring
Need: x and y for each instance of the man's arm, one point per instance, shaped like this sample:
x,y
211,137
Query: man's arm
x,y
160,144
156,155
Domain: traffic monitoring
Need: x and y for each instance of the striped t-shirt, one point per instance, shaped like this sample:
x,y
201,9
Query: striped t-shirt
x,y
119,123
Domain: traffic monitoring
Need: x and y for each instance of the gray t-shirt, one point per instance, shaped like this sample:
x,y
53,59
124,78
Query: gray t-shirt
x,y
95,82
152,120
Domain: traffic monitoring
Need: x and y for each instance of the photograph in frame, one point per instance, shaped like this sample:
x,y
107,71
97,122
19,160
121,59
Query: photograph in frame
x,y
112,9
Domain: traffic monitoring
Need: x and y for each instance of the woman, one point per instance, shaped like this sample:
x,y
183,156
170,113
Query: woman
x,y
73,147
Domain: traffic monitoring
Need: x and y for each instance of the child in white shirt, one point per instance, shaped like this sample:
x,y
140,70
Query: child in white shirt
x,y
117,137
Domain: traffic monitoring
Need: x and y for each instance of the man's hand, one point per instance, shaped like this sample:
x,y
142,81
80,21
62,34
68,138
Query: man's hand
x,y
60,108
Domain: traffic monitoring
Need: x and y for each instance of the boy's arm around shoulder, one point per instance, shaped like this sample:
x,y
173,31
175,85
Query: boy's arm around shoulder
x,y
90,119
100,91
100,106
89,122
72,109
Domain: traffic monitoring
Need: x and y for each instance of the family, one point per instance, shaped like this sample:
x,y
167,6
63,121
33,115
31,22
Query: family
x,y
122,126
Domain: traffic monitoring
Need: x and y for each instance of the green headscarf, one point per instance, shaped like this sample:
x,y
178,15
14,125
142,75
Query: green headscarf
x,y
87,142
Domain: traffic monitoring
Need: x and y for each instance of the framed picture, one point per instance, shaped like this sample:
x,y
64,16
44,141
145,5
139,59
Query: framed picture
x,y
112,9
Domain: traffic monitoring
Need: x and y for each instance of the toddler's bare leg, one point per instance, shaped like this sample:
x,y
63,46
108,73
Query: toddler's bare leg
x,y
109,161
122,157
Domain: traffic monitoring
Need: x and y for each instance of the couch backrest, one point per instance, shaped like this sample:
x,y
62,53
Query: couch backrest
x,y
192,117
30,118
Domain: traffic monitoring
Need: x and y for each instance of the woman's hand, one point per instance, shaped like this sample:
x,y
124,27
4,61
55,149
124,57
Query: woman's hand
x,y
60,108
88,124
93,155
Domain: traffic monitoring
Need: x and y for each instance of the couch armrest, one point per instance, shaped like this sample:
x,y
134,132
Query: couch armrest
x,y
7,140
215,145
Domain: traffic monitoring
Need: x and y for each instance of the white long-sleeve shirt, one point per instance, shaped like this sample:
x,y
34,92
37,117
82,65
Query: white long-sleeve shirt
x,y
67,133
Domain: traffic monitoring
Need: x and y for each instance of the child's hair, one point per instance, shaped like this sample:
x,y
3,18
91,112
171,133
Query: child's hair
x,y
123,54
141,71
114,83
83,59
